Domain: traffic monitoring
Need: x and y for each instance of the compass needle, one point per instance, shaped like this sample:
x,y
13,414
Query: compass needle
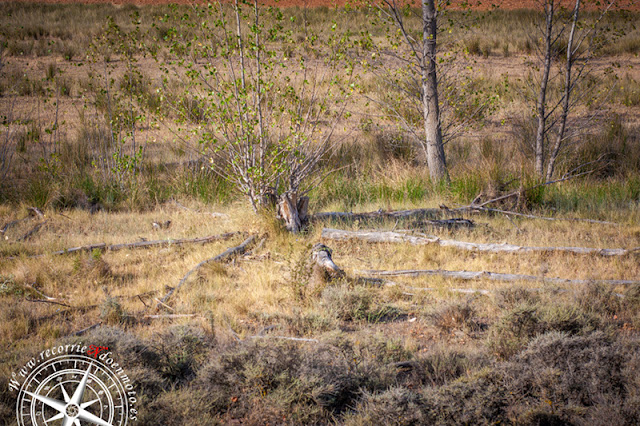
x,y
86,404
77,395
56,417
64,393
53,403
87,416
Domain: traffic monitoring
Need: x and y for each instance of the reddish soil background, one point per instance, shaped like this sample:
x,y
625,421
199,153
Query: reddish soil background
x,y
455,4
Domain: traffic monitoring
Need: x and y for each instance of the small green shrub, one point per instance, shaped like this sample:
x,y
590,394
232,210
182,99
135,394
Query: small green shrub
x,y
347,304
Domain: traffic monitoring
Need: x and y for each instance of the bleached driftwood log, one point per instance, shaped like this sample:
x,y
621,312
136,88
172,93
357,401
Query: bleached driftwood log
x,y
141,244
397,237
227,254
494,276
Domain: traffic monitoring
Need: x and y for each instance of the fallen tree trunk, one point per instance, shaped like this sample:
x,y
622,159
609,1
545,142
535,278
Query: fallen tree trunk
x,y
397,237
227,254
400,214
449,224
438,213
494,276
140,244
531,216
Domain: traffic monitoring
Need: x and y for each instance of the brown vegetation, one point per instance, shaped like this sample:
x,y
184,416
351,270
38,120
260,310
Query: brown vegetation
x,y
289,329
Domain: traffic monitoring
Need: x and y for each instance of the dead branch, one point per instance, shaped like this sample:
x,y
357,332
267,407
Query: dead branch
x,y
493,276
295,339
32,231
9,225
396,237
145,244
141,244
84,330
530,216
53,302
83,309
164,304
519,191
171,316
227,254
39,293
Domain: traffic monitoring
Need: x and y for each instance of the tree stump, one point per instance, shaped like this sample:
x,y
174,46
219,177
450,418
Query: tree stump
x,y
323,269
293,211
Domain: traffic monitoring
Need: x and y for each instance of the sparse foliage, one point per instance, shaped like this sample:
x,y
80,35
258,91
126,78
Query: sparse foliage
x,y
263,117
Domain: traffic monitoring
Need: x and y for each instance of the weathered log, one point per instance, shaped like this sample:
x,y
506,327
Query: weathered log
x,y
380,214
494,276
448,224
140,244
227,254
396,237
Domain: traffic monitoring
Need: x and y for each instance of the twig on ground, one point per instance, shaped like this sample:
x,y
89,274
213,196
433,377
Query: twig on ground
x,y
53,302
227,254
84,330
32,231
530,216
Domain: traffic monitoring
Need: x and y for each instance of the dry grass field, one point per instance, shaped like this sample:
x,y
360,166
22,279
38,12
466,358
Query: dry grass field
x,y
263,338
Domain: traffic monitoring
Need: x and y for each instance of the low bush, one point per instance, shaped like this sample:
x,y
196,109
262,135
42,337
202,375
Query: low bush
x,y
584,379
513,331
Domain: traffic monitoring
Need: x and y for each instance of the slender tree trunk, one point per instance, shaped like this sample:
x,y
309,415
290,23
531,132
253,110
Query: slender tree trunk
x,y
431,110
568,86
542,95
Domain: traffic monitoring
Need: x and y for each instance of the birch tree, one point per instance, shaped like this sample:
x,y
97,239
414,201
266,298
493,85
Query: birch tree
x,y
563,30
263,108
422,57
